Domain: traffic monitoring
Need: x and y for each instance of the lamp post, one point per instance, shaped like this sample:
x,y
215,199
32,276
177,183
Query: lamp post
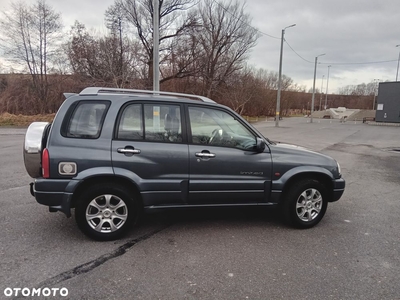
x,y
327,83
278,97
156,41
373,104
320,94
119,23
398,60
313,92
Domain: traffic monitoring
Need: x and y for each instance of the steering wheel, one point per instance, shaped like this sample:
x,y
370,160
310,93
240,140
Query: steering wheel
x,y
215,136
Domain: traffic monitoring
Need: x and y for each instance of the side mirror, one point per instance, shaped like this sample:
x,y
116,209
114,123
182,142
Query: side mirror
x,y
260,145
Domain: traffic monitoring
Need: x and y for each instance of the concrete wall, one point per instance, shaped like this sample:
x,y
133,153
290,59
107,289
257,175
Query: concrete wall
x,y
388,102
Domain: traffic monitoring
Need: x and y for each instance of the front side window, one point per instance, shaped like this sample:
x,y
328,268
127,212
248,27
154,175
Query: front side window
x,y
86,120
218,128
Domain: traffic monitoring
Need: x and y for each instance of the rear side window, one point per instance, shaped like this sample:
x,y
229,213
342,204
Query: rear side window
x,y
162,123
86,120
131,125
151,122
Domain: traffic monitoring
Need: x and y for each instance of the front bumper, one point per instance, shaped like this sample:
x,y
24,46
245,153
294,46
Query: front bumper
x,y
338,189
52,194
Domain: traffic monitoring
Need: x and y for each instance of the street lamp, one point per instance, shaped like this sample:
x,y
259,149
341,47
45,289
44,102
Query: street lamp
x,y
119,23
398,60
320,93
278,97
327,83
156,45
313,90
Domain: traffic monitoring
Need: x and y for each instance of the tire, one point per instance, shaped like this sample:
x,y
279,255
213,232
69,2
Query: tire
x,y
105,212
305,203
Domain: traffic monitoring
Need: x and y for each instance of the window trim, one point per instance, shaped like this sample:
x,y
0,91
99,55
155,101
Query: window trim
x,y
119,118
142,104
229,112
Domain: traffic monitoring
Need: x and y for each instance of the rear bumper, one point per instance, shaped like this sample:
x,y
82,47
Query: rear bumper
x,y
338,189
52,193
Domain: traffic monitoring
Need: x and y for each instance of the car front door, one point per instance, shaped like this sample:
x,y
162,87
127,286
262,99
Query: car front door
x,y
225,167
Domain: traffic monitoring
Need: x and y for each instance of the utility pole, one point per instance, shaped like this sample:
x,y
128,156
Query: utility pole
x,y
398,61
313,90
121,50
320,94
278,97
156,44
327,83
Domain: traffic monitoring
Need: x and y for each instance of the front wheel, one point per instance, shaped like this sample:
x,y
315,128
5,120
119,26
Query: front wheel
x,y
305,203
105,212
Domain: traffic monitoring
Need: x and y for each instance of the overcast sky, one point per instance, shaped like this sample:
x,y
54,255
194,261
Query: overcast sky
x,y
350,32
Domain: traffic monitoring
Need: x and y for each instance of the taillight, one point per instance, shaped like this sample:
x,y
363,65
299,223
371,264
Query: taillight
x,y
45,163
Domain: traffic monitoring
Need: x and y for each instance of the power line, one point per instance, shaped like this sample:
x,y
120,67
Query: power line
x,y
339,63
306,60
361,63
297,53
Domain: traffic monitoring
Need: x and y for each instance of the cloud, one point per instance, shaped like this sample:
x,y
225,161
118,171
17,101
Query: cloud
x,y
347,31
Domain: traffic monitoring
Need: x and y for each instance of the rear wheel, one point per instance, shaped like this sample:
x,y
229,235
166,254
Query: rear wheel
x,y
105,212
305,203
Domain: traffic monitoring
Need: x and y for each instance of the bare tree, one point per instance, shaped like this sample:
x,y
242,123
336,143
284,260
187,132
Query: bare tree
x,y
99,57
360,89
225,40
240,90
30,36
174,22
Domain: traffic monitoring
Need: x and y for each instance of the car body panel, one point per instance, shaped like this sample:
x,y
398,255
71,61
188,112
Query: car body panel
x,y
232,176
160,170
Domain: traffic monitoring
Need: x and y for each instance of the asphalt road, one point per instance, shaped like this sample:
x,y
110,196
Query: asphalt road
x,y
224,254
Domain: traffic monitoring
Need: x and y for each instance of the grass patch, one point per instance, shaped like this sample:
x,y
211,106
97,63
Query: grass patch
x,y
7,119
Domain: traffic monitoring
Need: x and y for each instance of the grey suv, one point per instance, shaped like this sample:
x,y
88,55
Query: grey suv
x,y
110,153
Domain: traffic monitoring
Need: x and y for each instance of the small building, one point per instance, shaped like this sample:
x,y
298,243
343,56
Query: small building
x,y
388,102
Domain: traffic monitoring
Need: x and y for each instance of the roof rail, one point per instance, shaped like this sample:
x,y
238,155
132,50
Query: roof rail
x,y
99,90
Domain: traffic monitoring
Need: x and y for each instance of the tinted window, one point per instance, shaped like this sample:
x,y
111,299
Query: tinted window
x,y
86,120
131,125
218,128
162,123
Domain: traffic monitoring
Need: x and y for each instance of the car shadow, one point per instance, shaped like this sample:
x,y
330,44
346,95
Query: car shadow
x,y
214,214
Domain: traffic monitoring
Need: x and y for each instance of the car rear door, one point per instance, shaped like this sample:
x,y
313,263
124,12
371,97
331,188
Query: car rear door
x,y
150,148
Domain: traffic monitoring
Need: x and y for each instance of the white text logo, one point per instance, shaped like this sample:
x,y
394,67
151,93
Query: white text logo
x,y
27,292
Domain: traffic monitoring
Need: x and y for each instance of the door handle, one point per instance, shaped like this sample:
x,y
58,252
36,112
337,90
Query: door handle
x,y
128,151
205,155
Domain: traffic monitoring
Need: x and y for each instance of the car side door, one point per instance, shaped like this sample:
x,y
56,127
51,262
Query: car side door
x,y
225,167
150,148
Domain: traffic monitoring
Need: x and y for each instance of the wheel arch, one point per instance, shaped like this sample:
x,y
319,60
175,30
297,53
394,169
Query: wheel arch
x,y
323,178
107,179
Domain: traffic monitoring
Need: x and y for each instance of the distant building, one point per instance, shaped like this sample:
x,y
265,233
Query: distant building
x,y
388,102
